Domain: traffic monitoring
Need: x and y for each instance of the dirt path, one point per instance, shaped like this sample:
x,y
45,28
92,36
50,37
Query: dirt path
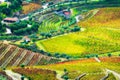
x,y
97,59
117,75
59,74
115,29
14,76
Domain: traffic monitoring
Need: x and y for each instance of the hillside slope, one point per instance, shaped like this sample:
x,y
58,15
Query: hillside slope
x,y
11,55
106,17
101,36
94,70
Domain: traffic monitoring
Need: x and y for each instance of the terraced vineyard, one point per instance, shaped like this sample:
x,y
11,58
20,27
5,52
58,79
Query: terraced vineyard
x,y
85,46
49,22
41,73
106,17
11,55
89,68
98,38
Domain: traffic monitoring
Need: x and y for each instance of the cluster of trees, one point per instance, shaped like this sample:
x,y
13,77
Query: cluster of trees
x,y
96,55
8,9
10,37
2,27
63,55
112,1
22,28
65,75
33,48
4,10
62,30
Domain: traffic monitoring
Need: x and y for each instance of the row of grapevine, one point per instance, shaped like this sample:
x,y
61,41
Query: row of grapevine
x,y
11,55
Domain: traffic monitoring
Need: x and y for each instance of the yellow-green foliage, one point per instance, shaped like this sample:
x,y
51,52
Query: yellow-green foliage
x,y
93,40
94,70
4,4
78,67
106,17
36,74
111,77
93,76
113,66
52,22
100,36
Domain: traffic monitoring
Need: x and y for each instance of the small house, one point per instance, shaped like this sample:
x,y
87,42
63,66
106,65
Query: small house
x,y
10,20
26,39
67,14
64,13
8,31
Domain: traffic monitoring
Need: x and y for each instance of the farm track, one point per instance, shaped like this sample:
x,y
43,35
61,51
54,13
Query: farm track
x,y
114,73
13,75
97,59
58,76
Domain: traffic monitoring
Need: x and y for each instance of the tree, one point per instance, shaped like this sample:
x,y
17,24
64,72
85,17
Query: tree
x,y
75,29
109,55
97,56
29,78
42,34
22,77
65,70
57,55
49,54
63,55
86,1
67,57
119,55
48,35
66,77
87,56
4,68
2,27
22,65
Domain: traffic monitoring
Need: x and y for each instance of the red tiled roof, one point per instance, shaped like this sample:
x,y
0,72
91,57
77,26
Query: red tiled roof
x,y
67,13
11,19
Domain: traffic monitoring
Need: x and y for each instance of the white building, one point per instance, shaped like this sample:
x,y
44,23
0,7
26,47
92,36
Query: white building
x,y
8,31
2,0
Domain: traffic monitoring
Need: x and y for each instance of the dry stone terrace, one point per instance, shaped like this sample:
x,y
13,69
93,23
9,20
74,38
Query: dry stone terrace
x,y
11,55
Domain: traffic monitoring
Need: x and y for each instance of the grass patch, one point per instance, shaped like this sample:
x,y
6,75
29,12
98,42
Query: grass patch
x,y
93,40
111,77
